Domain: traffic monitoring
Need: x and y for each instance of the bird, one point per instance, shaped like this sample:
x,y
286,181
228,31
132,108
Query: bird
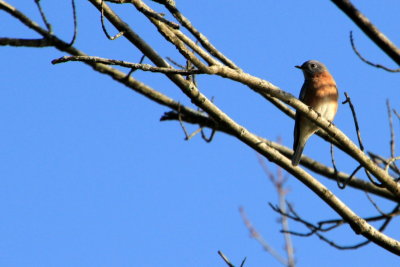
x,y
319,92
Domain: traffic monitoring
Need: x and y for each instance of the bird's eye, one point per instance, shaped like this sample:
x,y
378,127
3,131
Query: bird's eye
x,y
313,66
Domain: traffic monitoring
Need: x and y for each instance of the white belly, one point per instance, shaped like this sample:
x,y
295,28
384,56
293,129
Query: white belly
x,y
327,111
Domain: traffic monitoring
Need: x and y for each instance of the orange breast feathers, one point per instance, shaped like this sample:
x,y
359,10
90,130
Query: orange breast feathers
x,y
320,87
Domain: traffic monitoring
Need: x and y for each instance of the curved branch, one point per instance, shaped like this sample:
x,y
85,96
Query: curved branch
x,y
369,29
379,66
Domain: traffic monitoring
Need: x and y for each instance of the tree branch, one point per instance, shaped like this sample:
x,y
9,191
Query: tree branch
x,y
135,66
379,66
369,29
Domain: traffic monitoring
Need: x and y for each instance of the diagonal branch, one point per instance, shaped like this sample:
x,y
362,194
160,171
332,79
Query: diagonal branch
x,y
309,163
369,29
262,86
170,5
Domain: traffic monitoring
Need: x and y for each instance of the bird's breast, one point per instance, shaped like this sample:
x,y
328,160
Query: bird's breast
x,y
322,95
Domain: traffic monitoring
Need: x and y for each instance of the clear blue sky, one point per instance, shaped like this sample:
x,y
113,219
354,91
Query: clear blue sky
x,y
89,176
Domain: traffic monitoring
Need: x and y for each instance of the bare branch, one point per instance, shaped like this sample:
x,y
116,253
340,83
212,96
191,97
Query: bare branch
x,y
170,5
205,138
255,234
334,162
380,160
391,162
316,229
151,13
75,23
392,137
187,135
348,100
309,163
135,66
397,114
227,261
353,112
278,181
104,27
369,29
25,42
375,205
44,18
379,66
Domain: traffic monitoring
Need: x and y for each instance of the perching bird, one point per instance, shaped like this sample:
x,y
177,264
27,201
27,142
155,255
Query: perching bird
x,y
320,93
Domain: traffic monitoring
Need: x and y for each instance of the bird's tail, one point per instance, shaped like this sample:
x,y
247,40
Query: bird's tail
x,y
298,150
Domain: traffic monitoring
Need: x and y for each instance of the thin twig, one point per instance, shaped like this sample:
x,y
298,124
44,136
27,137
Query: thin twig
x,y
104,27
278,180
144,67
391,162
170,5
205,138
284,221
44,18
369,29
392,136
334,165
375,205
199,130
348,100
380,160
226,260
187,135
342,185
256,235
75,23
175,63
196,48
151,13
379,66
133,70
316,229
397,114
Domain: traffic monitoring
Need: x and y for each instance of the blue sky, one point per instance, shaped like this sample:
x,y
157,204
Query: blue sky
x,y
91,177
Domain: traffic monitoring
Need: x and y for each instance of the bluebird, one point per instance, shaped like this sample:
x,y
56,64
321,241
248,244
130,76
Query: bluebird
x,y
319,92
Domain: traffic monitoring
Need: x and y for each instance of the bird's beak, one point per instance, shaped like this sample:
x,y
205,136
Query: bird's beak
x,y
297,66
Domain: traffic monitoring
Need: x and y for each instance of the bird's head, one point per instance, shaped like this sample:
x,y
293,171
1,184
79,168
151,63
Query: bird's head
x,y
312,67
